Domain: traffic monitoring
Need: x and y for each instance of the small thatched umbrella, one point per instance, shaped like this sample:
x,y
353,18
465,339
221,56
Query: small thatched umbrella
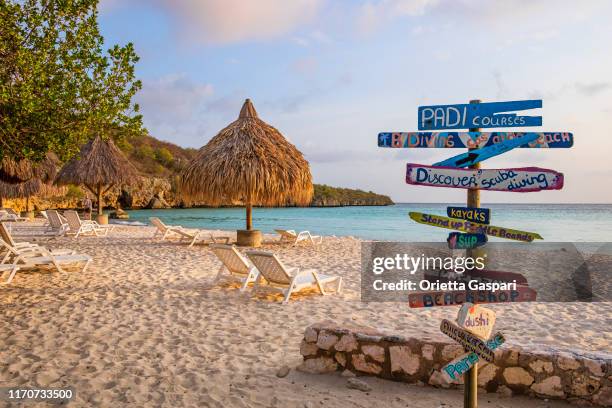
x,y
12,171
99,166
251,162
30,188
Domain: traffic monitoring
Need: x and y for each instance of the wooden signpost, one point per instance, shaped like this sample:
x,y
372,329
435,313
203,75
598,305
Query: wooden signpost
x,y
459,297
458,240
471,140
469,226
478,115
480,215
475,321
520,180
474,156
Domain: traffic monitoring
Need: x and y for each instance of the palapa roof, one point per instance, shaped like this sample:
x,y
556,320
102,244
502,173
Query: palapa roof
x,y
100,162
12,171
248,161
32,187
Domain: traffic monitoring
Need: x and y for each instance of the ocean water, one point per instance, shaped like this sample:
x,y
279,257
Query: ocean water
x,y
555,222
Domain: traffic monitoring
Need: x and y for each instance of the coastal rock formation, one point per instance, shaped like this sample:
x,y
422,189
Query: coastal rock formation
x,y
542,373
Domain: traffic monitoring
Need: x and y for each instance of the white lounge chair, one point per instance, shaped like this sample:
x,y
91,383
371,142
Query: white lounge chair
x,y
13,216
21,248
292,237
78,227
289,280
42,257
165,231
57,225
235,264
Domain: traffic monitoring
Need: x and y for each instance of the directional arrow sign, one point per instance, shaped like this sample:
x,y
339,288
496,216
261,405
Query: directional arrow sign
x,y
459,297
458,240
468,226
471,140
476,156
462,364
477,214
467,340
478,115
476,319
521,180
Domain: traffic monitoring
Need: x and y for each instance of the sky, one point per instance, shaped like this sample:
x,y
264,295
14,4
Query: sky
x,y
331,75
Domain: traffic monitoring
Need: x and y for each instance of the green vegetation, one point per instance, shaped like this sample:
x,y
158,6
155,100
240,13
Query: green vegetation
x,y
325,195
57,86
154,157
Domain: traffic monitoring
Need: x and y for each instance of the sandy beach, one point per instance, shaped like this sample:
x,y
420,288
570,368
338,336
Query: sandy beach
x,y
142,326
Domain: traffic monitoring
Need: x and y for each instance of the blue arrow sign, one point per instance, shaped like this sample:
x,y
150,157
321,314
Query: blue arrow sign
x,y
475,156
478,115
471,140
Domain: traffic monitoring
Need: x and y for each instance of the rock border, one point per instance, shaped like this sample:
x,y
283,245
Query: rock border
x,y
582,378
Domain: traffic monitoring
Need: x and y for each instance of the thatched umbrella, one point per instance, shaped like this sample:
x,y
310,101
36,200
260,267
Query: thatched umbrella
x,y
12,171
30,188
251,162
99,166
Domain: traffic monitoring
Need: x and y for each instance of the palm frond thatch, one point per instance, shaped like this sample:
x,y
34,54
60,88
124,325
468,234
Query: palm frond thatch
x,y
99,166
100,162
248,161
30,188
12,171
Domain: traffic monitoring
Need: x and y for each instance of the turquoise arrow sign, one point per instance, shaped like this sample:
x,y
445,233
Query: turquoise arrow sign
x,y
475,156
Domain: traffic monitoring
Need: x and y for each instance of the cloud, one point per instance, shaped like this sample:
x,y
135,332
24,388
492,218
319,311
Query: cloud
x,y
172,96
593,88
316,37
232,21
373,14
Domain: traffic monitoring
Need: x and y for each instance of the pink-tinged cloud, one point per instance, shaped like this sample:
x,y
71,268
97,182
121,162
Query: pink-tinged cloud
x,y
232,21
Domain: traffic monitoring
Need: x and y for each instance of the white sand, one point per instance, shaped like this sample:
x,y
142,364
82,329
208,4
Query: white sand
x,y
141,327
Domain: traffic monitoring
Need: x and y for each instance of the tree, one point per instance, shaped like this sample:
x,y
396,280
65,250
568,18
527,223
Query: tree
x,y
164,156
57,86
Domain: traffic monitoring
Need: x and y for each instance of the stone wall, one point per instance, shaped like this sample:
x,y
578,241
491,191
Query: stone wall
x,y
582,378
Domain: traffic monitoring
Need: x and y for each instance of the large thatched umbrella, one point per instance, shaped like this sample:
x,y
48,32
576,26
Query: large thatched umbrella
x,y
99,167
250,162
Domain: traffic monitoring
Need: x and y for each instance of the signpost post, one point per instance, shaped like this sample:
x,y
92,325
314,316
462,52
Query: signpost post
x,y
470,396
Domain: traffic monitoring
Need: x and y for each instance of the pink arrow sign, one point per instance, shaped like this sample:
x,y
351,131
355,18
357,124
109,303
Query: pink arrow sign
x,y
521,180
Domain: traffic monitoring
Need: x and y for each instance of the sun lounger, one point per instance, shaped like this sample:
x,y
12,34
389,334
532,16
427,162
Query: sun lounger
x,y
6,215
165,231
237,267
288,280
57,226
42,257
292,237
77,227
21,248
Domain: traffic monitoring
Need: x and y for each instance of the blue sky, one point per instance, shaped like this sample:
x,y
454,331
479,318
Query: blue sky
x,y
330,75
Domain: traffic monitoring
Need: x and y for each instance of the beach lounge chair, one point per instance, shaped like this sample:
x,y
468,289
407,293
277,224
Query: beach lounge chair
x,y
288,280
235,264
42,257
20,248
57,225
78,227
292,237
13,216
193,235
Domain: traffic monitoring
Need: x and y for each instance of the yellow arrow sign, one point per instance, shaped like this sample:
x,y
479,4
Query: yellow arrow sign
x,y
470,226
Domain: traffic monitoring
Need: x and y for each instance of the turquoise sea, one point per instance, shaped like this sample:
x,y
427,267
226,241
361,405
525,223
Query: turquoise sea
x,y
555,222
